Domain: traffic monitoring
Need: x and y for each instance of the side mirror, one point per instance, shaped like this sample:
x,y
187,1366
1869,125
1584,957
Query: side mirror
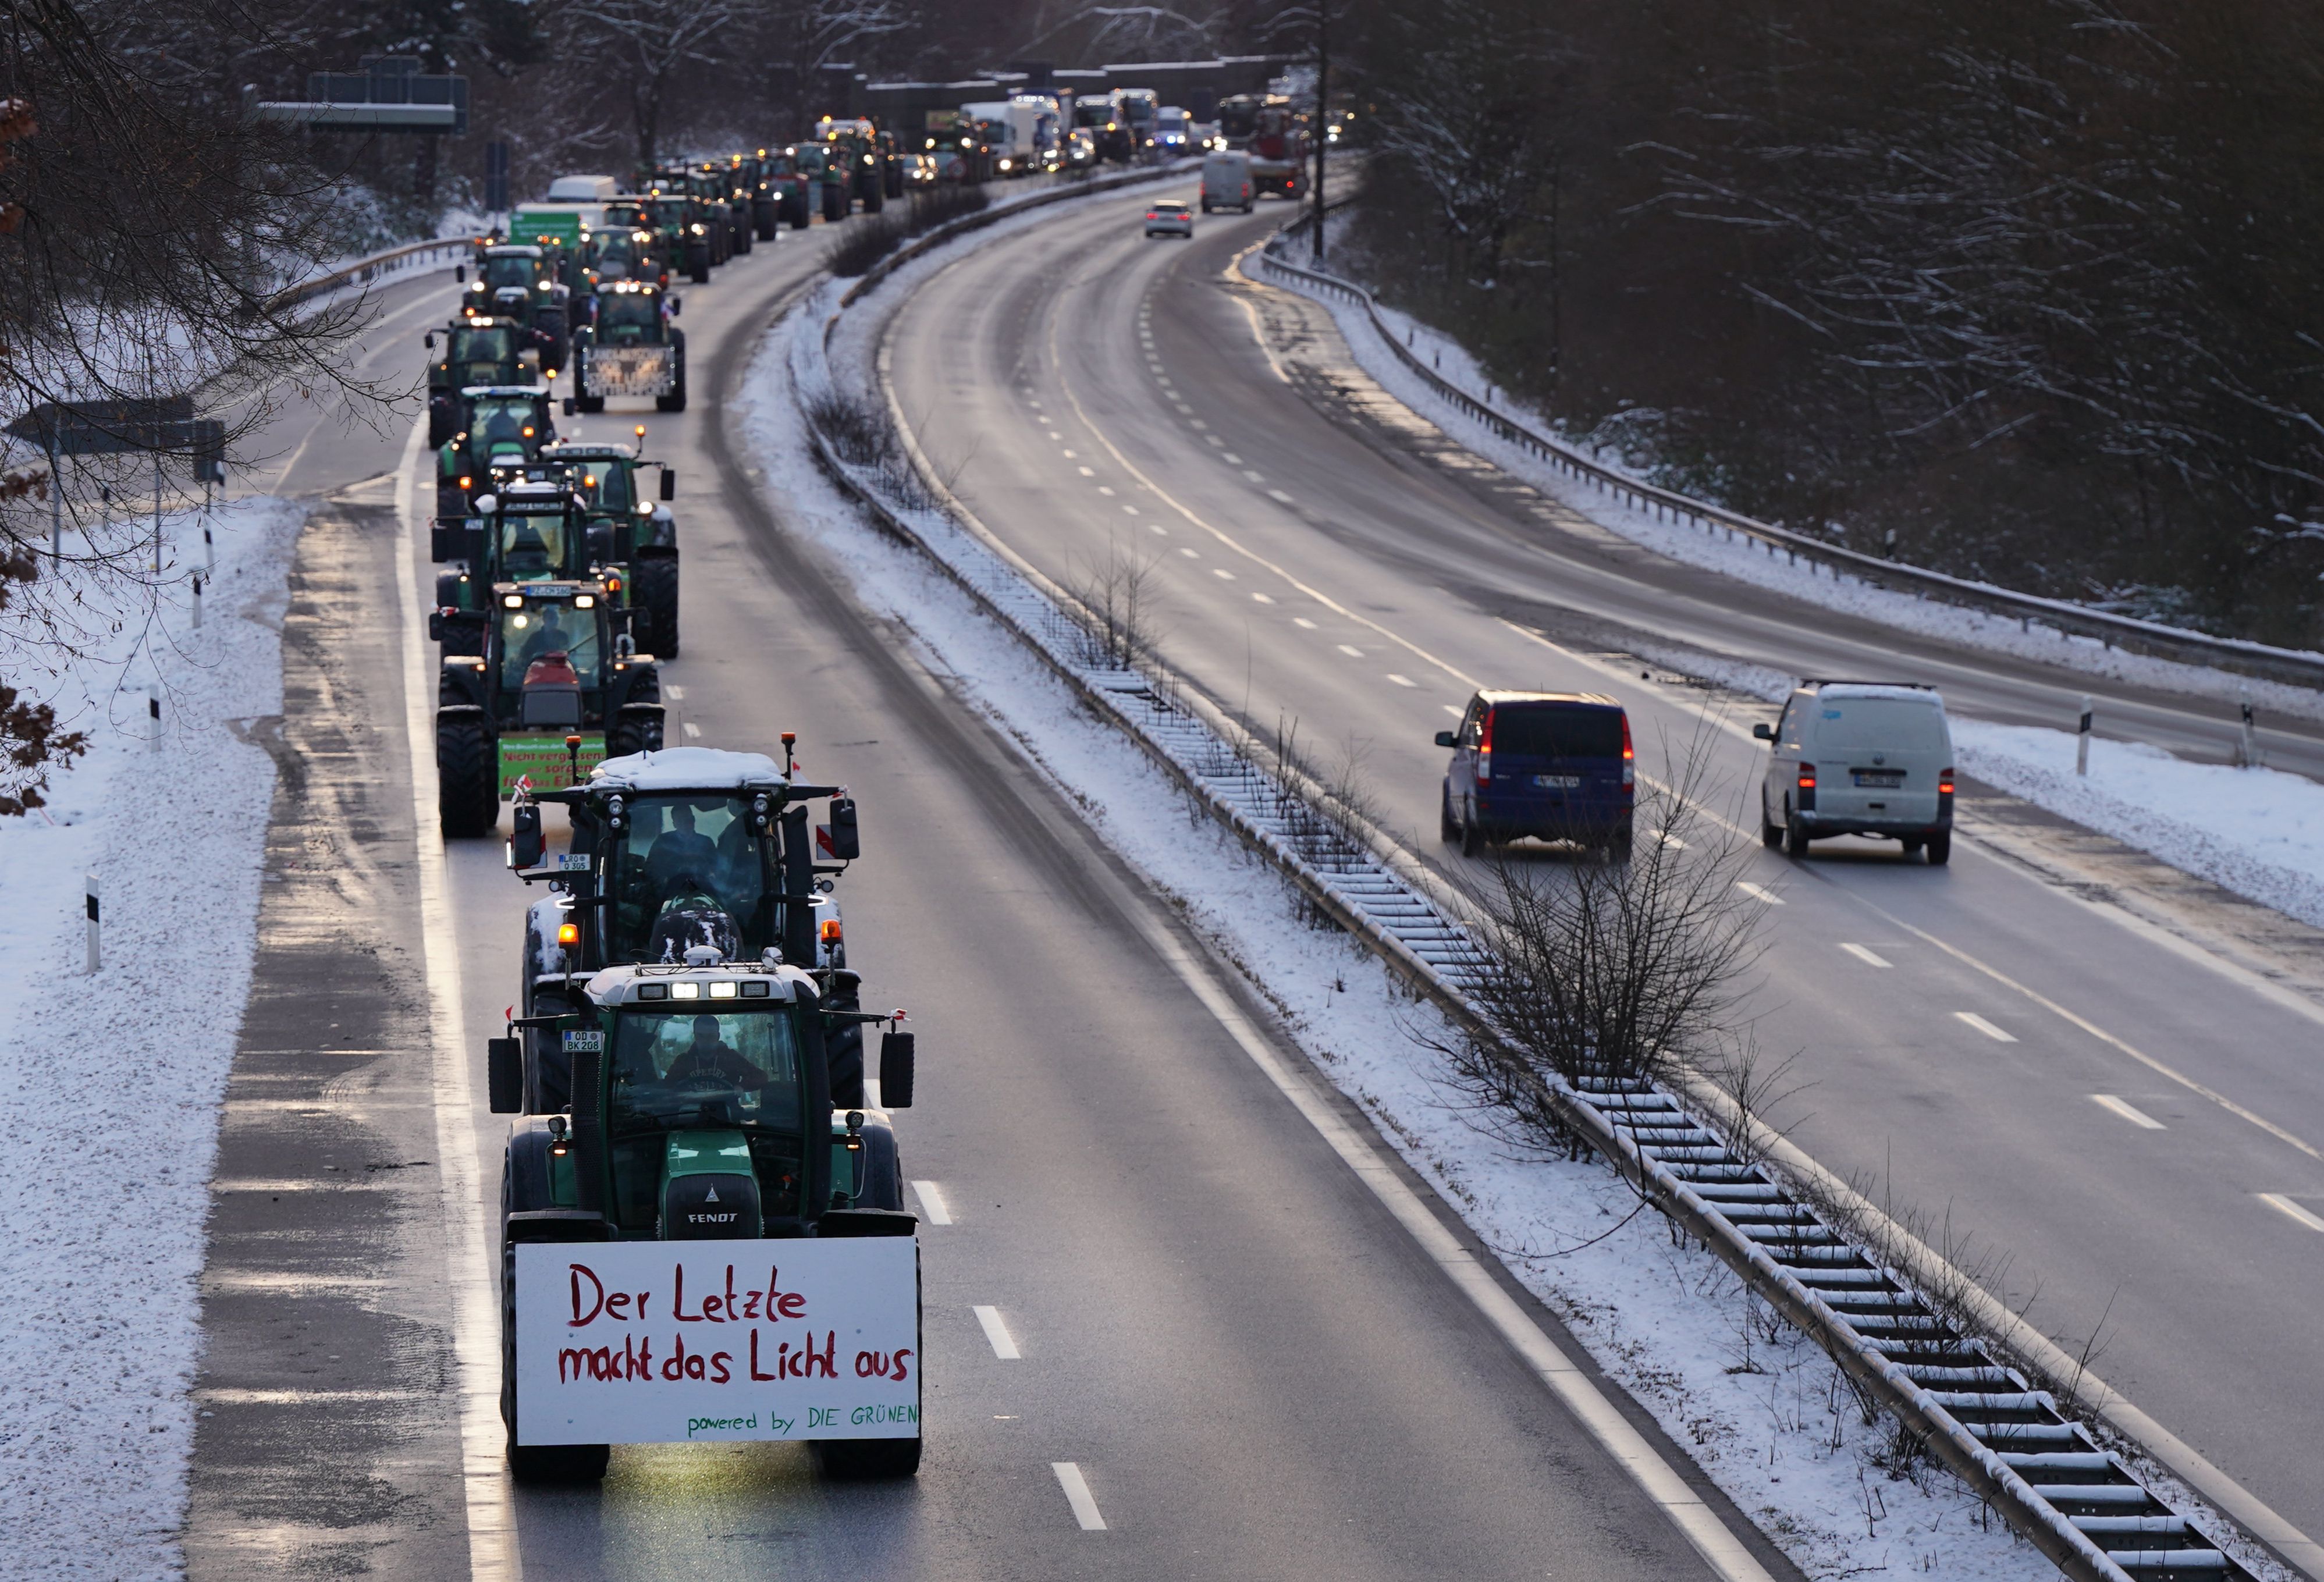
x,y
526,845
1444,739
569,407
505,1074
895,1069
669,482
1763,731
839,838
675,305
460,273
430,338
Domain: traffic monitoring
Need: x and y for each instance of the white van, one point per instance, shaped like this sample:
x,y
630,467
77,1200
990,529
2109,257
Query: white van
x,y
583,189
1226,182
1854,757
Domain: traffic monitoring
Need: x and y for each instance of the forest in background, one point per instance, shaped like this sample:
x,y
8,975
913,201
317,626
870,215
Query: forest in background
x,y
2020,289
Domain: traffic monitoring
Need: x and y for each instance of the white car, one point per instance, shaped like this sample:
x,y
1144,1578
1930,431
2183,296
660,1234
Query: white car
x,y
1169,219
1851,758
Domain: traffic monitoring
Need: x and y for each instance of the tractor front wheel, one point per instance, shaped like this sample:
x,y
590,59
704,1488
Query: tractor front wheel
x,y
653,584
467,787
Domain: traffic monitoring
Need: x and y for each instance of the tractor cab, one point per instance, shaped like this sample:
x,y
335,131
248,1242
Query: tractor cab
x,y
629,248
471,351
688,849
523,282
500,423
634,314
634,535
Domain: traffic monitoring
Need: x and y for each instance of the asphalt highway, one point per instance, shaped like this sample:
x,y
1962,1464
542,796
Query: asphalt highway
x,y
2128,1117
1255,1368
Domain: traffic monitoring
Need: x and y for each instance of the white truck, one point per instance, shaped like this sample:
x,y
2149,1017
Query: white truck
x,y
1021,129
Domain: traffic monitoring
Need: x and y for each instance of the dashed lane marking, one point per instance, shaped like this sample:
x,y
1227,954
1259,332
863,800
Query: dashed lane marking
x,y
1868,957
2128,1111
2285,1206
1078,1495
932,1203
1985,1027
1759,893
996,1333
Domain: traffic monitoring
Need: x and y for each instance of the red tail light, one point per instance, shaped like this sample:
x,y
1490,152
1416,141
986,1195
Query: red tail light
x,y
1807,776
1629,758
1945,783
1485,747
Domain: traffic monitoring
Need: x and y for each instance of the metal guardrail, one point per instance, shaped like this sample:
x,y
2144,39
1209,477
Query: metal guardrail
x,y
2047,1476
2296,667
364,271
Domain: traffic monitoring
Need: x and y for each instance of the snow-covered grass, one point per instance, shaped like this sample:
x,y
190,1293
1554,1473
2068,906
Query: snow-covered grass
x,y
112,1083
1767,1415
1739,557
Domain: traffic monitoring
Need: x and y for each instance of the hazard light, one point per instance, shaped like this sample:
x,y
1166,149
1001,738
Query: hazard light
x,y
568,933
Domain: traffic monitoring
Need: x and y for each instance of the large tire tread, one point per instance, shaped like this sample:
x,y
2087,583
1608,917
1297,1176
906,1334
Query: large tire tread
x,y
467,791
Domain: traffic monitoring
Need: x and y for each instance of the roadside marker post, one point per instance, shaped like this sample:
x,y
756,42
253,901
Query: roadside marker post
x,y
154,718
89,882
2083,739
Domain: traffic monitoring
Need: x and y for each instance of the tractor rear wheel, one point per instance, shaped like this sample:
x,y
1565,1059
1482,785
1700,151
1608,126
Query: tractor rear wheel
x,y
863,1460
634,731
653,583
467,788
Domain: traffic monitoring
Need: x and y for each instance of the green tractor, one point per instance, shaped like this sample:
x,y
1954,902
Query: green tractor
x,y
558,688
629,248
631,349
474,352
641,534
499,424
754,174
793,184
827,169
725,196
853,145
525,283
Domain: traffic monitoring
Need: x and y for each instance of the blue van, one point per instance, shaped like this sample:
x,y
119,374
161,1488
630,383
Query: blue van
x,y
1556,766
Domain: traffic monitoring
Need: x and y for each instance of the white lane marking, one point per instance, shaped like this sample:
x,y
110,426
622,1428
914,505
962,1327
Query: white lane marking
x,y
1101,489
1157,529
1869,958
492,1554
692,732
1231,459
1303,624
1278,495
677,693
1196,423
1070,456
1455,710
1656,1477
1189,554
1351,650
1759,893
1086,471
1402,680
996,1333
1128,509
1077,1496
1985,1027
2278,1201
1255,477
2128,1111
1222,573
1264,598
932,1203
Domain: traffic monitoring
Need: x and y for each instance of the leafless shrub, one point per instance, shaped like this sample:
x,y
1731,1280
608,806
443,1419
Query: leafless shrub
x,y
863,433
1114,597
1609,969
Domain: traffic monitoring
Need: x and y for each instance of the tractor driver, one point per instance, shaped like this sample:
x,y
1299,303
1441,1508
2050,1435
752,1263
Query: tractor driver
x,y
681,858
711,1055
552,638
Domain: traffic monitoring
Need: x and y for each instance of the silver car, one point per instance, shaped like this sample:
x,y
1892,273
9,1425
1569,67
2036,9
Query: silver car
x,y
1169,219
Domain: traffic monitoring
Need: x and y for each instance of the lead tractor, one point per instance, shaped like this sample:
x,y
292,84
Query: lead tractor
x,y
558,688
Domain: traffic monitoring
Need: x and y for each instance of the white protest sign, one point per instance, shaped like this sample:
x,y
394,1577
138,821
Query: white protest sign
x,y
629,371
647,1342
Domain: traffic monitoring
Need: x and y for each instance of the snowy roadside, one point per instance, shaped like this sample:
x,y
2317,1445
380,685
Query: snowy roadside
x,y
1767,1414
112,1083
1711,550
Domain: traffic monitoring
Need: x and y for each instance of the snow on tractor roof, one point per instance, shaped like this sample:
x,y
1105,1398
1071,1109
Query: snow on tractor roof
x,y
688,768
714,987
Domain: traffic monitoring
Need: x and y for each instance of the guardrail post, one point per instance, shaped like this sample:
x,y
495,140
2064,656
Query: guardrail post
x,y
2083,738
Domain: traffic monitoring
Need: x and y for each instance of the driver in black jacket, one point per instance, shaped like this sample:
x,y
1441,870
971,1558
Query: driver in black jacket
x,y
711,1055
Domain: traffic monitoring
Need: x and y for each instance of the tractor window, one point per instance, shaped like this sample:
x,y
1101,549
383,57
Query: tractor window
x,y
532,544
690,870
549,627
669,212
605,487
692,1071
628,316
509,271
504,421
483,345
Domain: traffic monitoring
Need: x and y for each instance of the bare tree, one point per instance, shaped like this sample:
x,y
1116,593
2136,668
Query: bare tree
x,y
656,46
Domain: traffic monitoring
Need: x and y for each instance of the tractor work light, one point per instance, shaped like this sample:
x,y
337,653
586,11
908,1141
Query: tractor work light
x,y
653,991
722,991
513,601
584,601
755,988
568,933
686,991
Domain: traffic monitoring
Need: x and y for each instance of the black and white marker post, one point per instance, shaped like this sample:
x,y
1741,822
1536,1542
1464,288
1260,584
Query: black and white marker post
x,y
2083,739
93,958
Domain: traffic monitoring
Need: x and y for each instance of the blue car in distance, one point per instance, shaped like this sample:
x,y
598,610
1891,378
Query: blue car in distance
x,y
1556,766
